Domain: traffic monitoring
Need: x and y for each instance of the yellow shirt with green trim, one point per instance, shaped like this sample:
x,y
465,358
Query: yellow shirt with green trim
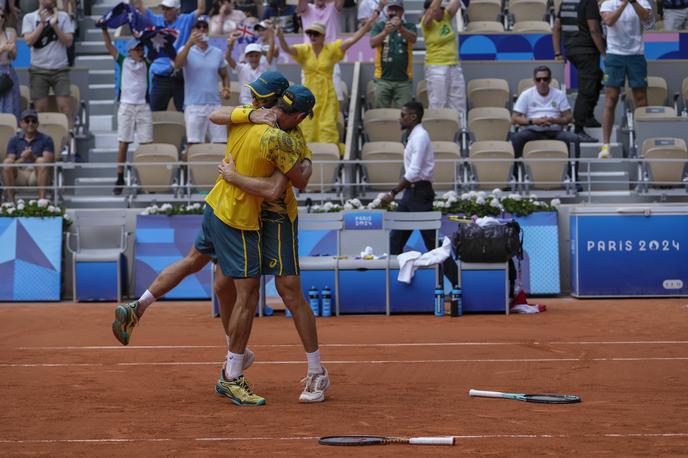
x,y
440,42
257,150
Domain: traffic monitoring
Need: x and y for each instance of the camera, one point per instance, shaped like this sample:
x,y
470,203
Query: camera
x,y
391,15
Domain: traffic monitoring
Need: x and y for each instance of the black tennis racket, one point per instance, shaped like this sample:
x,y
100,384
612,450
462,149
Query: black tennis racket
x,y
539,398
382,440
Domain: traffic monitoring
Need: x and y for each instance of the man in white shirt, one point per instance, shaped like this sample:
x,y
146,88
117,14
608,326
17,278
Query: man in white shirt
x,y
419,166
625,20
541,111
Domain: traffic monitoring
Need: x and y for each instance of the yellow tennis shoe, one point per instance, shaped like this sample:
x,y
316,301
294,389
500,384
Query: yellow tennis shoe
x,y
238,391
124,322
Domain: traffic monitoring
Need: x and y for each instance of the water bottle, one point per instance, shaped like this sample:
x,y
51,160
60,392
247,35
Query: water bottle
x,y
326,299
455,308
439,300
268,311
314,300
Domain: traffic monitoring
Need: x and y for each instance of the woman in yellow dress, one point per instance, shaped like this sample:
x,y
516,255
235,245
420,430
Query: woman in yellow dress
x,y
317,59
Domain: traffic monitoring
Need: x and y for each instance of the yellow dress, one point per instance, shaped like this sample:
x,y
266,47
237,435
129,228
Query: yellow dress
x,y
318,73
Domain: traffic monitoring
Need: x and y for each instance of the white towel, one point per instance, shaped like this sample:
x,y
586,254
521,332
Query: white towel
x,y
412,260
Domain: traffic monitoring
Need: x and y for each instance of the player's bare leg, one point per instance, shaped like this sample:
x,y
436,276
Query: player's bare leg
x,y
226,296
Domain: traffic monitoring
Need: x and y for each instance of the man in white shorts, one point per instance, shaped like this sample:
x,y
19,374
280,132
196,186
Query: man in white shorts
x,y
204,67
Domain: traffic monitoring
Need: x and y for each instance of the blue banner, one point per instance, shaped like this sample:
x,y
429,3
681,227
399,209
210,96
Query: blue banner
x,y
363,221
629,255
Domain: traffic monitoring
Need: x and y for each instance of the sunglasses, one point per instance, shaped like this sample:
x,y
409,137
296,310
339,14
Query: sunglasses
x,y
313,33
542,79
31,120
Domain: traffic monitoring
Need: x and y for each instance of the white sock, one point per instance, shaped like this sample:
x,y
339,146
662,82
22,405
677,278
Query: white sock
x,y
229,342
144,301
235,362
314,366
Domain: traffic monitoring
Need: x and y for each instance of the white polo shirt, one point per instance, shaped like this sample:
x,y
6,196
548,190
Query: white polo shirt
x,y
419,159
535,106
625,37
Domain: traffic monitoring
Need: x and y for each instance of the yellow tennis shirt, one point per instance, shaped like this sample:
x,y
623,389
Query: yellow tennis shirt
x,y
256,150
440,42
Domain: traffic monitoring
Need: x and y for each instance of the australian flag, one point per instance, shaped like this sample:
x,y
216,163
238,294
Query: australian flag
x,y
124,14
159,42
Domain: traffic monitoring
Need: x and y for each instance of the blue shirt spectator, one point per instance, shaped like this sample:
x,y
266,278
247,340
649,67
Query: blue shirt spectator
x,y
39,144
183,24
201,76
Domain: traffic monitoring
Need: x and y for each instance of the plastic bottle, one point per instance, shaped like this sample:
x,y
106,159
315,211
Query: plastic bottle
x,y
439,300
314,300
326,301
455,308
268,311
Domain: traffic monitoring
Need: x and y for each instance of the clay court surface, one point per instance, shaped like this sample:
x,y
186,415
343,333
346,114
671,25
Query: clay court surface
x,y
67,388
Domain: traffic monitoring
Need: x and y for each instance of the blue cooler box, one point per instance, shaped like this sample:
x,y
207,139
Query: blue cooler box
x,y
485,287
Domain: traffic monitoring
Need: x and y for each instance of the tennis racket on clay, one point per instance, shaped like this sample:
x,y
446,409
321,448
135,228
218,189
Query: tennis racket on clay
x,y
382,440
539,398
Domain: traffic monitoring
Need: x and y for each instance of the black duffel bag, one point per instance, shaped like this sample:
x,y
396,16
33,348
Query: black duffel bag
x,y
497,243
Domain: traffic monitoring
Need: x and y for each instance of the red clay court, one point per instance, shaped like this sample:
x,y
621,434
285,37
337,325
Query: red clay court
x,y
69,388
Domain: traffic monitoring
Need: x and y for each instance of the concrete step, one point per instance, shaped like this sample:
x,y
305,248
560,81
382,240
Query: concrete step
x,y
101,107
95,62
91,47
101,123
605,181
591,150
101,185
99,91
100,9
102,76
106,139
95,201
98,155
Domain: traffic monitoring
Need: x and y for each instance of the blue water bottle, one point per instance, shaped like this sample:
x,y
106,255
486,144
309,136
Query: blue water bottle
x,y
326,301
268,311
439,300
455,308
314,300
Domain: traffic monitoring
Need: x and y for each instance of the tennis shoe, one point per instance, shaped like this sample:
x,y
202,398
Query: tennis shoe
x,y
124,322
604,152
315,387
239,391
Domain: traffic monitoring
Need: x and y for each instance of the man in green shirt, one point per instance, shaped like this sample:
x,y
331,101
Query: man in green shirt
x,y
393,41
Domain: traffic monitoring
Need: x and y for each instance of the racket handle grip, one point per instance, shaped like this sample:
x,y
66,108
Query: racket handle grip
x,y
485,394
443,440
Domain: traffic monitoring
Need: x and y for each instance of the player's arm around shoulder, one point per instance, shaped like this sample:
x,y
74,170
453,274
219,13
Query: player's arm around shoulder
x,y
243,115
285,155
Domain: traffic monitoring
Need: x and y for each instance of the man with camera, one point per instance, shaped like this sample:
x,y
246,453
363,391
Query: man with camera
x,y
393,41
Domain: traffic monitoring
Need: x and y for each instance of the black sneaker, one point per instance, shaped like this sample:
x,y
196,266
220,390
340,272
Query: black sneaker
x,y
119,186
592,122
585,138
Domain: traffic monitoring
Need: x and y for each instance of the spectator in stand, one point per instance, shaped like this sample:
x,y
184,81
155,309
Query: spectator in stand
x,y
282,15
10,101
366,8
204,67
675,14
49,33
443,74
224,18
347,17
393,43
252,8
249,71
167,83
134,114
69,7
542,111
265,30
322,11
317,60
29,146
580,25
625,21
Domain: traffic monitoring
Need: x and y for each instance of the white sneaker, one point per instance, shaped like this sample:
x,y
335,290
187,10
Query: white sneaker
x,y
604,152
316,385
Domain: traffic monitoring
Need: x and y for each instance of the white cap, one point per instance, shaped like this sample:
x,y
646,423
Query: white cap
x,y
170,3
253,47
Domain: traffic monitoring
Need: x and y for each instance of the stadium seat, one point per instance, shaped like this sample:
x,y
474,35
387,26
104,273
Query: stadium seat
x,y
532,27
488,92
491,175
653,112
489,123
8,127
169,127
57,127
545,174
441,123
383,176
526,83
370,94
527,10
382,124
665,173
155,179
484,27
657,92
445,176
422,93
25,95
204,176
324,175
484,10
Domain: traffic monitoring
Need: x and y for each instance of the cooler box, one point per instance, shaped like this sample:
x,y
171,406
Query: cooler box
x,y
485,287
362,286
416,297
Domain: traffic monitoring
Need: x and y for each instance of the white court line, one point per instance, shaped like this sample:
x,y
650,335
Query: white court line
x,y
312,438
356,345
408,361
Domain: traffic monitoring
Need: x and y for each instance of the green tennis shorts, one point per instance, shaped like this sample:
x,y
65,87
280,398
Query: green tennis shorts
x,y
280,244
